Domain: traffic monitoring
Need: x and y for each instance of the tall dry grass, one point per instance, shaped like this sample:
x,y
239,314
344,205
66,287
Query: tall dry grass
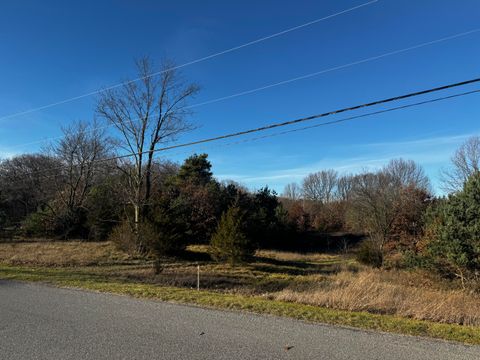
x,y
376,291
58,253
295,256
318,279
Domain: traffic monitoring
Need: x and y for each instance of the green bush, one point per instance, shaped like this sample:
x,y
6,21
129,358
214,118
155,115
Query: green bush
x,y
369,253
229,242
38,224
413,260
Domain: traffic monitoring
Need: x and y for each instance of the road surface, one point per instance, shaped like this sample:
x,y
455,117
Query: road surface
x,y
42,322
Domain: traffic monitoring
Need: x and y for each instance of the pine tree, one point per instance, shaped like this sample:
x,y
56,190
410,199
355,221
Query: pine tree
x,y
455,231
229,242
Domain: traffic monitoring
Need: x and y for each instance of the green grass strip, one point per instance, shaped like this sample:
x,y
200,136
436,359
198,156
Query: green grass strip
x,y
83,279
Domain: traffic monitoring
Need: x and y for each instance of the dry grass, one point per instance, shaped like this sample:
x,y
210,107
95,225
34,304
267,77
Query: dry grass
x,y
383,292
330,281
293,256
60,253
73,277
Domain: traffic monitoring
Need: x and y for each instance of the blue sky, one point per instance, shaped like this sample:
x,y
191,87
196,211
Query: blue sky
x,y
52,50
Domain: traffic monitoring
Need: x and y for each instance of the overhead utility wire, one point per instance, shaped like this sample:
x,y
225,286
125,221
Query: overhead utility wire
x,y
300,120
333,122
356,117
308,118
284,82
208,57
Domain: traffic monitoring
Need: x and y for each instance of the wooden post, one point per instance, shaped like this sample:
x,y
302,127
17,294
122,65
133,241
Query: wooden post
x,y
198,277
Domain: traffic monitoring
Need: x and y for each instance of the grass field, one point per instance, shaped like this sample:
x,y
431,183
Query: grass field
x,y
330,288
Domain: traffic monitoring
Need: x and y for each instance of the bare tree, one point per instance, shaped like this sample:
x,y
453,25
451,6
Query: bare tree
x,y
320,186
344,187
374,210
25,183
79,152
147,113
292,191
464,163
407,173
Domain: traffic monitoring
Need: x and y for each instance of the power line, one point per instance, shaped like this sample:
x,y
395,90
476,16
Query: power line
x,y
358,62
362,115
284,82
208,57
304,119
310,118
334,121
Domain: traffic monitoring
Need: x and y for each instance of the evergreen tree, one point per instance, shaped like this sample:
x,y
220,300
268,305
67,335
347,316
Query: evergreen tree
x,y
196,170
454,232
230,243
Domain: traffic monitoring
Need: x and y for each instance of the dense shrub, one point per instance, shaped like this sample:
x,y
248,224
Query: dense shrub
x,y
409,223
298,217
330,217
134,241
412,260
39,224
369,253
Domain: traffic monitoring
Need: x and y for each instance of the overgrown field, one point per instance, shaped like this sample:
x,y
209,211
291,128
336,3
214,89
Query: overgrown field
x,y
318,281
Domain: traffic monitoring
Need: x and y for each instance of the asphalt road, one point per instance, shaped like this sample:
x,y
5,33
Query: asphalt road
x,y
42,322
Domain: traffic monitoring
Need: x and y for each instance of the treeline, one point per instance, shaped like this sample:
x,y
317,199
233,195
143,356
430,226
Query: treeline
x,y
387,204
65,193
95,186
70,197
404,223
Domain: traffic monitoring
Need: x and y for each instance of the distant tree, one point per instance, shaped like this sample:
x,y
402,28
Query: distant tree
x,y
320,186
409,223
234,184
292,191
329,217
464,163
3,212
407,173
344,187
389,207
230,242
26,184
299,217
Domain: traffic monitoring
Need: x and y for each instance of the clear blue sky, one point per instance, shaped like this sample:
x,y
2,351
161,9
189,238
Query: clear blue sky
x,y
52,50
